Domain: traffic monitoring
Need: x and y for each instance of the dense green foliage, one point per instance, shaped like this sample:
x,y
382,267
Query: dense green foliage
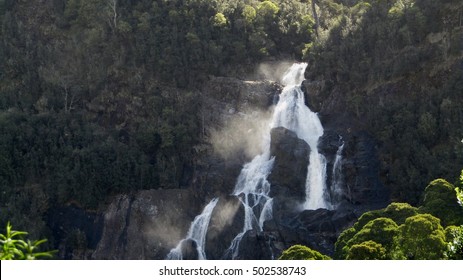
x,y
401,231
398,212
423,238
300,252
454,236
420,236
14,247
101,97
459,190
440,201
397,66
383,231
367,250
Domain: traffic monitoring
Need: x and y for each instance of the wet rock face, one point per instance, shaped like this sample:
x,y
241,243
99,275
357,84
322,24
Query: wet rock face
x,y
146,225
225,100
240,95
361,186
317,229
362,172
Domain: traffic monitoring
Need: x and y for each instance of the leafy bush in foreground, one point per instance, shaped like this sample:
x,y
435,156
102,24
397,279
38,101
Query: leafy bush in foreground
x,y
14,247
300,252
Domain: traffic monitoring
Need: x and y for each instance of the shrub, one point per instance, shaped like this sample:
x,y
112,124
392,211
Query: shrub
x,y
454,236
300,252
368,250
381,230
15,247
439,200
423,238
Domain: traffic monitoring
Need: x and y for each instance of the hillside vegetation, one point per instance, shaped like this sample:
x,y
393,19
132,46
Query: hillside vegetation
x,y
102,97
397,66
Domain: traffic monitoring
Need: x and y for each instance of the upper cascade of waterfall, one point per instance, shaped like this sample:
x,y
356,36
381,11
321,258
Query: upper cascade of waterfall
x,y
294,76
292,113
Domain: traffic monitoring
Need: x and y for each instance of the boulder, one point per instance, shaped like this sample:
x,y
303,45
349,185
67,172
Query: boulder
x,y
255,246
240,95
290,167
320,228
227,221
189,249
289,172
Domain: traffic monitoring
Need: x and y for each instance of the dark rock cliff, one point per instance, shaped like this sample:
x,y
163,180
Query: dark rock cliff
x,y
290,167
146,225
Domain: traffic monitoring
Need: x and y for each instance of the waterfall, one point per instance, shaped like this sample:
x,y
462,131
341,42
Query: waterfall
x,y
336,175
197,233
291,113
252,187
267,213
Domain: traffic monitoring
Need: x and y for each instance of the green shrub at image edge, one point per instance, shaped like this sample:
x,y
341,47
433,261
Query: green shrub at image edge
x,y
300,252
14,247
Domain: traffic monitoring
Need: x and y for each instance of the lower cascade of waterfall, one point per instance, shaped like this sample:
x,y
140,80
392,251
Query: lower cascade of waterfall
x,y
252,187
196,233
336,175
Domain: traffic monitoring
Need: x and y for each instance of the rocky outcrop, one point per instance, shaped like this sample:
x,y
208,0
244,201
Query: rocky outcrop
x,y
290,167
146,225
320,228
230,108
226,222
239,95
362,172
313,94
289,172
189,249
256,245
361,185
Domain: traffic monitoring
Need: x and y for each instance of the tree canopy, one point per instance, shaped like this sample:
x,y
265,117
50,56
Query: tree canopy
x,y
300,252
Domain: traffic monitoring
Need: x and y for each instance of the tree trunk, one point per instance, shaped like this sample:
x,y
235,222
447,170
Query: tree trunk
x,y
315,16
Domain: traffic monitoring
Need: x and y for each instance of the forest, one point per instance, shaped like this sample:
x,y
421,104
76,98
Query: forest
x,y
105,97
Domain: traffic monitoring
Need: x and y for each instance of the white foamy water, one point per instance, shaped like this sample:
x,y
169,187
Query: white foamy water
x,y
197,233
